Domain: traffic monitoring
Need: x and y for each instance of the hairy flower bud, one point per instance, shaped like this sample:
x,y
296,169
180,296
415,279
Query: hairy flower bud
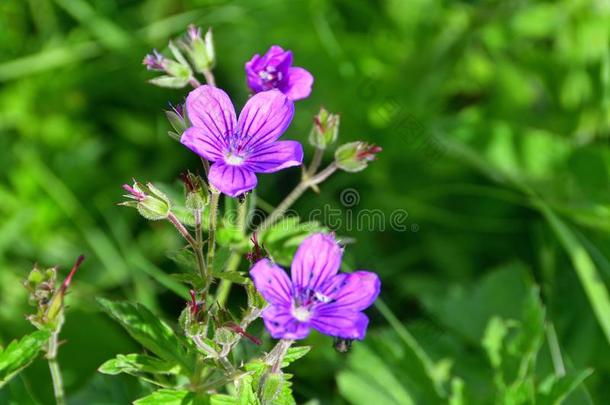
x,y
178,71
48,299
150,202
325,129
177,119
197,194
355,156
199,50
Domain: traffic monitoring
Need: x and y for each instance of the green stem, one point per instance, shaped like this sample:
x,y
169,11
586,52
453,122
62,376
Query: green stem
x,y
212,233
196,245
276,356
194,82
315,162
294,195
224,288
58,387
209,77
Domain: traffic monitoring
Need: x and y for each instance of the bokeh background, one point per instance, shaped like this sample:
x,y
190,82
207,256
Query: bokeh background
x,y
494,118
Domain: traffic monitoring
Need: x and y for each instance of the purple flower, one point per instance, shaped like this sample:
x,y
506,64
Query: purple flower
x,y
317,296
240,148
274,71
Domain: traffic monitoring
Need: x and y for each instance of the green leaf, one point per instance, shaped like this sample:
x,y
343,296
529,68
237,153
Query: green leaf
x,y
272,387
233,276
555,389
222,399
137,363
283,238
148,330
171,397
19,354
585,268
493,340
294,353
370,381
246,392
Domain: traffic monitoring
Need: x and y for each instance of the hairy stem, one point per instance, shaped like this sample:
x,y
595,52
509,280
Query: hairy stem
x,y
315,162
194,82
209,77
195,244
212,232
294,195
224,288
58,387
276,356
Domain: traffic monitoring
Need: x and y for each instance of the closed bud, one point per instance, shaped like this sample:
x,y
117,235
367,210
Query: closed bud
x,y
150,202
177,119
178,71
197,194
200,50
325,129
355,156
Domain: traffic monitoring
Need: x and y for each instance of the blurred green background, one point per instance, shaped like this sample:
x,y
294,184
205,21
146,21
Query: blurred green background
x,y
494,117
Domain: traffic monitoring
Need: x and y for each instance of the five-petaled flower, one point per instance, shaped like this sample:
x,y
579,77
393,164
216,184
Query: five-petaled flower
x,y
317,296
274,70
240,148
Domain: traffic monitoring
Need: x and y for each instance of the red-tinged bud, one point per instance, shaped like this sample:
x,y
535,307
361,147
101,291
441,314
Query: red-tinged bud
x,y
54,313
355,156
197,195
150,202
257,253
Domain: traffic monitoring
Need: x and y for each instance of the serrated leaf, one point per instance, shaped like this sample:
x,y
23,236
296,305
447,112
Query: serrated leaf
x,y
294,353
189,278
171,397
148,330
137,363
19,354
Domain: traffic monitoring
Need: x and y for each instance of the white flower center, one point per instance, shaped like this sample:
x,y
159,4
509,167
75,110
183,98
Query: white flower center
x,y
301,314
234,160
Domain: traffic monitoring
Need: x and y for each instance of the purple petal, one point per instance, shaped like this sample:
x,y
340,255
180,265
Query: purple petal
x,y
275,156
352,292
203,143
298,83
264,118
272,282
211,110
252,70
342,324
281,324
231,180
316,261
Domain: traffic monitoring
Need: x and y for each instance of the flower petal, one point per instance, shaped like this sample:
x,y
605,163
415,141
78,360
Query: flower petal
x,y
231,180
264,118
342,324
275,156
281,324
203,143
352,292
297,84
317,260
272,282
210,109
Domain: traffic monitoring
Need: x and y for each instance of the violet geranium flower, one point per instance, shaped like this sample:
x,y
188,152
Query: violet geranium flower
x,y
240,148
274,70
317,296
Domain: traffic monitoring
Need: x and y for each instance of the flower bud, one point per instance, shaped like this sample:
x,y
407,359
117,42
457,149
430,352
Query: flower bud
x,y
178,71
325,129
48,299
355,156
150,202
197,195
199,50
177,119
